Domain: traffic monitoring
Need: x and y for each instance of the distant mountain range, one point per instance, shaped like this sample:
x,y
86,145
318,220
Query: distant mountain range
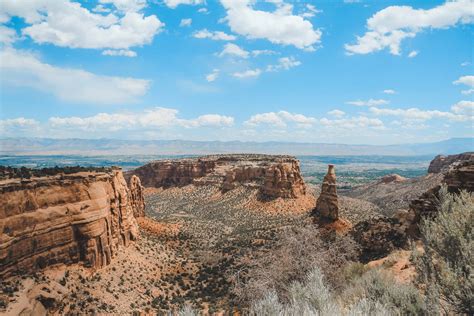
x,y
74,146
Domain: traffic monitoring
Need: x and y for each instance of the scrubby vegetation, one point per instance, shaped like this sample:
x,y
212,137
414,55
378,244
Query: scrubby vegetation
x,y
446,265
7,172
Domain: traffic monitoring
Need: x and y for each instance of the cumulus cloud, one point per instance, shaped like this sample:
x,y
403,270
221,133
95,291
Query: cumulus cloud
x,y
370,102
337,113
126,5
250,73
214,35
213,75
311,11
412,54
185,22
280,119
415,114
279,26
259,52
464,108
7,35
231,49
174,3
389,91
467,81
284,63
18,126
353,122
156,118
389,27
67,24
23,69
119,52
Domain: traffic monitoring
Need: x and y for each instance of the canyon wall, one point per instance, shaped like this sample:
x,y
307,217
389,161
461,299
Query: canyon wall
x,y
442,163
274,176
66,218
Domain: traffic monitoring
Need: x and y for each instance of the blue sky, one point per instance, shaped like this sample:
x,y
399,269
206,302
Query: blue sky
x,y
374,72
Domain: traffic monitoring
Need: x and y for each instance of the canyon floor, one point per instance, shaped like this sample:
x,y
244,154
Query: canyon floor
x,y
193,245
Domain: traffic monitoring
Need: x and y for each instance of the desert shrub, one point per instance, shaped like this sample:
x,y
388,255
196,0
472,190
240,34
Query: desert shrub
x,y
295,253
377,286
446,264
313,297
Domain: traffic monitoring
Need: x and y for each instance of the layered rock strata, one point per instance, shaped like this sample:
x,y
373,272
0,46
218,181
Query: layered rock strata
x,y
137,197
442,163
327,206
273,176
65,218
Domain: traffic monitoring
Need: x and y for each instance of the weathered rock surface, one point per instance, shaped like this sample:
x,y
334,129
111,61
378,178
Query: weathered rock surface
x,y
392,178
65,218
137,198
441,163
380,235
327,206
274,176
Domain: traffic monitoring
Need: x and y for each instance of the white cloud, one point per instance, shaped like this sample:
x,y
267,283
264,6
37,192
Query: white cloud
x,y
126,5
68,24
352,1
280,119
389,91
412,54
464,108
174,3
120,52
388,27
259,52
7,35
353,122
284,63
156,118
213,75
466,63
185,22
370,102
214,35
311,11
337,113
101,9
250,73
23,69
231,49
415,114
18,122
468,81
203,11
279,27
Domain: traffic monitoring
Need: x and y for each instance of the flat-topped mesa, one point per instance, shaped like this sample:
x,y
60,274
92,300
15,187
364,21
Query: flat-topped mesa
x,y
327,206
274,176
83,217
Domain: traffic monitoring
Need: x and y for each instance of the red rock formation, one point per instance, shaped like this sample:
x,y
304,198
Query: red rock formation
x,y
137,200
327,206
81,217
441,163
392,178
274,176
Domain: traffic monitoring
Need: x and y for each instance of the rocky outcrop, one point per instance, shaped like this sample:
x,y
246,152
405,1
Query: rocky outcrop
x,y
273,176
327,206
390,178
65,218
441,163
137,197
379,236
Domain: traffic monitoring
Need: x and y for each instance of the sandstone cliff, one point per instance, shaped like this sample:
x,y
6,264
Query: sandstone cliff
x,y
137,198
274,176
441,163
65,218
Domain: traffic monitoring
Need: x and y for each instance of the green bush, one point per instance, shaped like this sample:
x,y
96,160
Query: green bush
x,y
446,264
